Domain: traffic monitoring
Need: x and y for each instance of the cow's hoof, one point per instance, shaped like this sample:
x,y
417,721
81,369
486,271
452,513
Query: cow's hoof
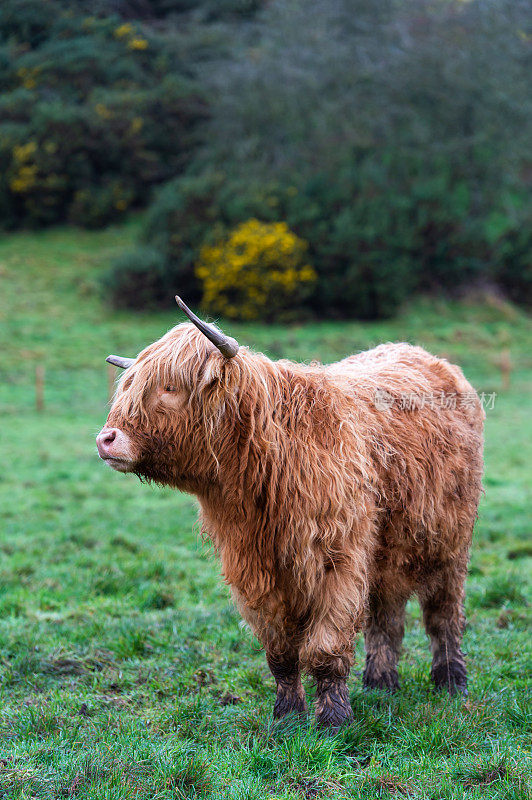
x,y
388,681
333,708
452,676
290,701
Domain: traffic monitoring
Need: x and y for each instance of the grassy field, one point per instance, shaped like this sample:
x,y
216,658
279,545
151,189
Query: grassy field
x,y
124,671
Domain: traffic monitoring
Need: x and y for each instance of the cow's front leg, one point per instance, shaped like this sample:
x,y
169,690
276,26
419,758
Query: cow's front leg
x,y
290,692
333,708
281,645
328,650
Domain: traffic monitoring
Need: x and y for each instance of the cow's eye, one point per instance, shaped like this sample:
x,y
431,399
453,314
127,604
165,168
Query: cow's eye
x,y
170,389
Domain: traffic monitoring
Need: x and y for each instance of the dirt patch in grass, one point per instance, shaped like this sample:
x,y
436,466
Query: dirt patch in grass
x,y
390,784
485,777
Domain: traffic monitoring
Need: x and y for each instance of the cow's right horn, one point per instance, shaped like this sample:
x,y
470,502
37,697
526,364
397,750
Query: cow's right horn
x,y
120,361
227,346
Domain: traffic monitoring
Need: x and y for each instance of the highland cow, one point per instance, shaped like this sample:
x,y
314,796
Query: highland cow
x,y
332,493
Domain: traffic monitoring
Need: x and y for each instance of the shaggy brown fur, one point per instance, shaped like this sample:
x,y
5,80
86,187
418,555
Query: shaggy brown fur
x,y
328,510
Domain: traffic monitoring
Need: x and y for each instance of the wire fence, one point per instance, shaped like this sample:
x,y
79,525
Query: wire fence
x,y
42,390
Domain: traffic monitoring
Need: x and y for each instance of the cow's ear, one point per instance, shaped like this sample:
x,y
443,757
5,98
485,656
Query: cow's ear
x,y
213,371
219,383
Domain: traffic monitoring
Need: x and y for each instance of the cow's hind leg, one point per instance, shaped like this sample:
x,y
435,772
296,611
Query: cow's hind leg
x,y
442,602
382,640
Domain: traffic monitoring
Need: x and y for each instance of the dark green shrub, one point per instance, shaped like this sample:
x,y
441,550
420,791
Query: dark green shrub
x,y
376,232
137,279
386,139
381,231
199,209
93,112
96,206
359,243
207,9
513,262
386,151
164,9
184,215
27,20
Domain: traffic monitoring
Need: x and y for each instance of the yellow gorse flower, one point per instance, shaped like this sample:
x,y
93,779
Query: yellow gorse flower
x,y
28,77
24,152
136,125
258,271
25,176
103,111
127,31
124,30
137,43
24,180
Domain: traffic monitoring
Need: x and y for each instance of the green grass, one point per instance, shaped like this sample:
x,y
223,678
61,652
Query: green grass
x,y
124,670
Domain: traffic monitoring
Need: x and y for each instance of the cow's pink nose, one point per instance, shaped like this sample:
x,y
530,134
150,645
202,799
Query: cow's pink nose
x,y
104,441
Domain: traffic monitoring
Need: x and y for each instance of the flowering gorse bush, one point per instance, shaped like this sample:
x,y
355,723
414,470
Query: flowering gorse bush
x,y
93,113
258,272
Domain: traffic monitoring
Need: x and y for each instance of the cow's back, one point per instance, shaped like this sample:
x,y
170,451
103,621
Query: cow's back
x,y
424,421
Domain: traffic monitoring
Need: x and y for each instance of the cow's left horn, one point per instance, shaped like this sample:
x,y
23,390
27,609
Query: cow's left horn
x,y
120,361
227,346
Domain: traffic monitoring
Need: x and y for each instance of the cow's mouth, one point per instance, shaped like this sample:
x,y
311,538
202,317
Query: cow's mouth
x,y
115,448
119,464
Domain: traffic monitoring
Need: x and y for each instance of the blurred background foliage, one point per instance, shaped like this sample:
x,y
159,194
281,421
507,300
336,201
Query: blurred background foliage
x,y
94,111
391,139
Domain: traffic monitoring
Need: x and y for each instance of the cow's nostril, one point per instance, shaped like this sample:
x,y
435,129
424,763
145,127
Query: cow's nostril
x,y
115,447
109,437
105,439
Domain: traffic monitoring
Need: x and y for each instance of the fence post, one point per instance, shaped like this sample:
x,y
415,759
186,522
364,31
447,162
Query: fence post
x,y
39,387
505,364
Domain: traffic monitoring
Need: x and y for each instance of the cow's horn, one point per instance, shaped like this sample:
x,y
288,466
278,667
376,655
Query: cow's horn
x,y
227,346
119,361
